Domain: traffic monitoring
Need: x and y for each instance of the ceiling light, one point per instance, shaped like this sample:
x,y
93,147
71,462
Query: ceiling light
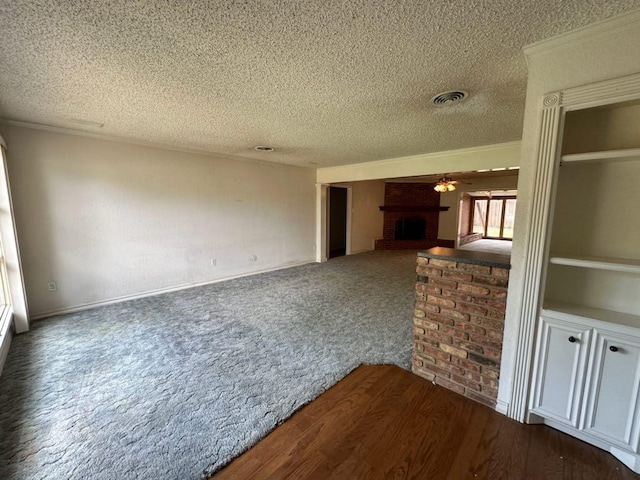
x,y
262,148
447,98
445,184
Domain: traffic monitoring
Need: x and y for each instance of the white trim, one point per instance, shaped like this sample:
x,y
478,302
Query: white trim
x,y
589,315
487,156
502,407
321,223
630,459
618,90
553,107
11,247
6,334
349,220
607,155
535,253
160,291
576,433
598,263
459,193
142,143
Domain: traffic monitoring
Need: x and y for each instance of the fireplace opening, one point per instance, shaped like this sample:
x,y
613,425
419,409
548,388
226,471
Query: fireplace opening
x,y
410,229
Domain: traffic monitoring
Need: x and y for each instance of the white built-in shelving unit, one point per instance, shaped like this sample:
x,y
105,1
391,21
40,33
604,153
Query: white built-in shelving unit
x,y
586,370
594,258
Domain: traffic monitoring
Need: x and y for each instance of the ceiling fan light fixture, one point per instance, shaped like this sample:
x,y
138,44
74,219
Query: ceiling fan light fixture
x,y
445,184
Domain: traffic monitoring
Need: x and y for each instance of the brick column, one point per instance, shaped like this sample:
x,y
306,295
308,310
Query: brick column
x,y
458,322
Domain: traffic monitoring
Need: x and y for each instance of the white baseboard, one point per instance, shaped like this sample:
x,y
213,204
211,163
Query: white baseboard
x,y
6,335
151,293
502,407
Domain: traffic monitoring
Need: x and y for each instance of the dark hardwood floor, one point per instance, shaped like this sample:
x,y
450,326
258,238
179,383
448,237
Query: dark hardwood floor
x,y
383,422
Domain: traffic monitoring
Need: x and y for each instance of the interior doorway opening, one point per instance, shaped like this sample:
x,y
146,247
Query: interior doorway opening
x,y
337,222
493,216
487,220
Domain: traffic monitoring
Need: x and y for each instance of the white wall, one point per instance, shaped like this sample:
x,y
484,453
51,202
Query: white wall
x,y
601,52
448,223
366,217
106,220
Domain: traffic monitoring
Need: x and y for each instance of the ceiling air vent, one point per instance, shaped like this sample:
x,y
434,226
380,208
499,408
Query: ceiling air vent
x,y
446,98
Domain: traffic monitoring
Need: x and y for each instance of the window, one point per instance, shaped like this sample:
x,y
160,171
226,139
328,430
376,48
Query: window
x,y
13,305
493,217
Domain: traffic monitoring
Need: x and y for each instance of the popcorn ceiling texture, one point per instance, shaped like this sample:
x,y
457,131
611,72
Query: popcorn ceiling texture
x,y
329,82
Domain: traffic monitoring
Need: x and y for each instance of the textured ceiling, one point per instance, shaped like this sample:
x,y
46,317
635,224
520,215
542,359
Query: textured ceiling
x,y
332,82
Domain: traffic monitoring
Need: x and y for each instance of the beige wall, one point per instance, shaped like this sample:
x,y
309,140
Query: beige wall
x,y
106,220
448,223
601,52
366,217
463,160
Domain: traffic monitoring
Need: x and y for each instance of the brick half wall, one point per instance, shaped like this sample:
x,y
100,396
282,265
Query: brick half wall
x,y
458,325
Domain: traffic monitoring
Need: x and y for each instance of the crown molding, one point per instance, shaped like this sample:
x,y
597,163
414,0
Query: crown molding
x,y
623,21
140,143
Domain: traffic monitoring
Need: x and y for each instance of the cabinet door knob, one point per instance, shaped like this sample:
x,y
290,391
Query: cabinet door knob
x,y
613,348
572,339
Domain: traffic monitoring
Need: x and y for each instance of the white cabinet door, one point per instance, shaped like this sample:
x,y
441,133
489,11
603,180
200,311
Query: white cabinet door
x,y
611,410
560,370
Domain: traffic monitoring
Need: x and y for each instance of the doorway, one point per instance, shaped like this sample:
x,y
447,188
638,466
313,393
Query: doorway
x,y
338,221
493,217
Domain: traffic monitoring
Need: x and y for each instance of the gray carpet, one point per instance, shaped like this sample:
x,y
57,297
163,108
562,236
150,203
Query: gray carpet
x,y
175,386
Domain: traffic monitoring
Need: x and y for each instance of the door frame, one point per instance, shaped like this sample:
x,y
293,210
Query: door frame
x,y
323,221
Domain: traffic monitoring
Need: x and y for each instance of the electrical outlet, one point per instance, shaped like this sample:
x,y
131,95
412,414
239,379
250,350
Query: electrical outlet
x,y
253,258
52,286
214,262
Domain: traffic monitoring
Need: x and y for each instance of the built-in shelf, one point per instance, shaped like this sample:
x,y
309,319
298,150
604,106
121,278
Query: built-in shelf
x,y
563,310
604,156
598,263
412,208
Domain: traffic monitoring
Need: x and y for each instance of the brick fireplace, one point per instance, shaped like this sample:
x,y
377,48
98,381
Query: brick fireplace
x,y
411,215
